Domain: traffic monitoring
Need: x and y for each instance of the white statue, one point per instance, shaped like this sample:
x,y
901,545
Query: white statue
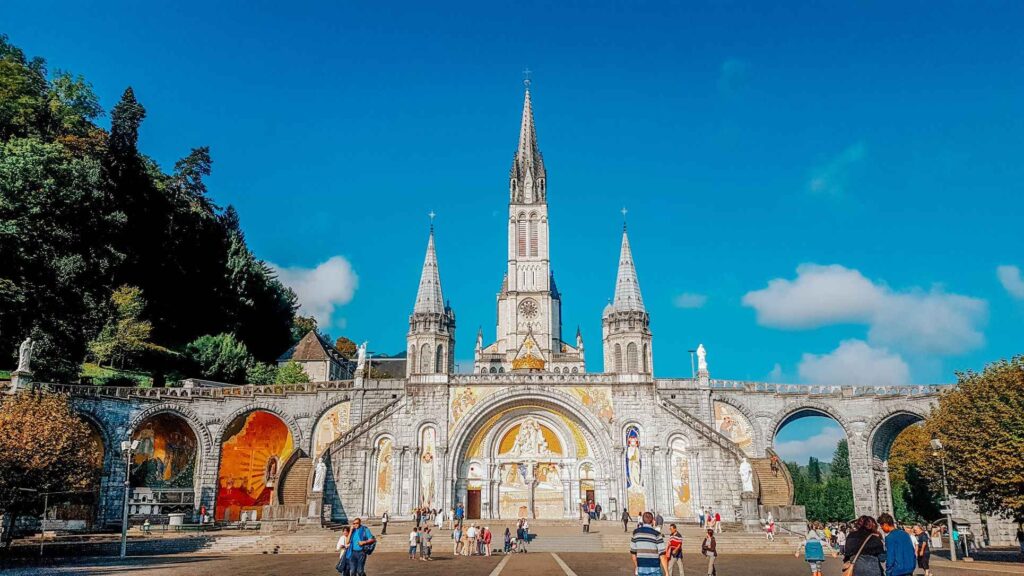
x,y
319,476
361,358
702,359
747,476
25,355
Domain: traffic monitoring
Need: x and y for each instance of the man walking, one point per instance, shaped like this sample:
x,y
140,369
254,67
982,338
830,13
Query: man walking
x,y
674,550
701,517
718,523
659,521
625,520
414,540
360,539
923,548
647,546
900,559
709,548
384,522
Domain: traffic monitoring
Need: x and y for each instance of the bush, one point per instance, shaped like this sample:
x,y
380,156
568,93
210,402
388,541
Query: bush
x,y
221,357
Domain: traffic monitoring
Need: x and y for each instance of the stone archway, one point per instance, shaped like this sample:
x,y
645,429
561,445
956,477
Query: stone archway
x,y
882,432
255,449
492,457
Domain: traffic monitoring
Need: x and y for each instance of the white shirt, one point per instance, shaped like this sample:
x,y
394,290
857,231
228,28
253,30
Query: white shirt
x,y
342,545
414,536
472,532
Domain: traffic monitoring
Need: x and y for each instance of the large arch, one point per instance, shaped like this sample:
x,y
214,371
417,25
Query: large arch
x,y
475,438
194,421
255,447
882,432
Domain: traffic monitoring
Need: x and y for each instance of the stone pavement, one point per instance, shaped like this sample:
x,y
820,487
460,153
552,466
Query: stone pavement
x,y
397,564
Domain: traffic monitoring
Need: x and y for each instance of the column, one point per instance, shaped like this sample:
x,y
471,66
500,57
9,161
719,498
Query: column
x,y
654,504
531,483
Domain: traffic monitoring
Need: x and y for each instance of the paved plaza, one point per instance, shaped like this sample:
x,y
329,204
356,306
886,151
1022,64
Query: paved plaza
x,y
397,564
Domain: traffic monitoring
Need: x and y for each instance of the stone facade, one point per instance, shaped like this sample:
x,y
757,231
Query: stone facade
x,y
528,433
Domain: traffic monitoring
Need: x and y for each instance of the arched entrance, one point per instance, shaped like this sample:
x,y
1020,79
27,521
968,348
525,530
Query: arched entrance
x,y
890,498
528,457
814,448
254,449
163,470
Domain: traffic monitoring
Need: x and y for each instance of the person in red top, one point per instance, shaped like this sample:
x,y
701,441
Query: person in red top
x,y
718,522
487,540
674,550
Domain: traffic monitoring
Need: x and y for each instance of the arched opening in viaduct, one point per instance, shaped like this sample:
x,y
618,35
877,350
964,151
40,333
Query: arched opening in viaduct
x,y
808,440
255,448
163,472
898,444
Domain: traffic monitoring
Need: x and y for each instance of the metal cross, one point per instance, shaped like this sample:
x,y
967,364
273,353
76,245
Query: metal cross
x,y
526,77
431,214
624,211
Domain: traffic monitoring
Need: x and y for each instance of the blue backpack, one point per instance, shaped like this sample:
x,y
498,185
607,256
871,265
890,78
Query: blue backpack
x,y
813,551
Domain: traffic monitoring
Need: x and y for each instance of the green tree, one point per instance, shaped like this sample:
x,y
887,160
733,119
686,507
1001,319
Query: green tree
x,y
261,373
840,466
302,325
813,470
981,426
291,373
221,357
125,335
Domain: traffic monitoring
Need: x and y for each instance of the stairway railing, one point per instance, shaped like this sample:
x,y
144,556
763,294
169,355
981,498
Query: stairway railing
x,y
705,430
362,427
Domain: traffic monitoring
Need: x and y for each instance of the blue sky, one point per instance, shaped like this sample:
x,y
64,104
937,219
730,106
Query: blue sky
x,y
825,192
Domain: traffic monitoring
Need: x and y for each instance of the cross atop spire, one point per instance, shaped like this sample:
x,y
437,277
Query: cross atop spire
x,y
627,287
428,297
526,77
624,212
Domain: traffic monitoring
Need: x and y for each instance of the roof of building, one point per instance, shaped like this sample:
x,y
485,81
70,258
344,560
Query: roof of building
x,y
627,286
312,348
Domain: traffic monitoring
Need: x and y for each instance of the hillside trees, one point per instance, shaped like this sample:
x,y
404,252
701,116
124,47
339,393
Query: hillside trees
x,y
84,211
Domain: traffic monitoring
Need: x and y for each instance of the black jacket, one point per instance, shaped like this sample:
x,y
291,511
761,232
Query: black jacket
x,y
875,547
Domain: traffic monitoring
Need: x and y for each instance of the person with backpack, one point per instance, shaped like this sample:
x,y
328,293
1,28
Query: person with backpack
x,y
361,544
814,551
864,554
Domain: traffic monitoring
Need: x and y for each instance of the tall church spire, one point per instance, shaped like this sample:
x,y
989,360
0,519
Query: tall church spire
x,y
428,297
528,179
627,287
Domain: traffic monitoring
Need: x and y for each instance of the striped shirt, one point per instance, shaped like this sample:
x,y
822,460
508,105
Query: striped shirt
x,y
675,545
648,545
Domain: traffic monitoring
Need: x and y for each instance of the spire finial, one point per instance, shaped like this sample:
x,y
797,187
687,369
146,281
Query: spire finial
x,y
624,212
431,215
526,77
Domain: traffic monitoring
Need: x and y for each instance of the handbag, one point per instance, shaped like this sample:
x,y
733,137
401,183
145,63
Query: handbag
x,y
849,568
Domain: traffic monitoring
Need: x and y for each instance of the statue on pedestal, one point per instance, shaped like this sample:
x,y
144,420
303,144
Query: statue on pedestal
x,y
747,476
25,355
319,476
702,360
361,359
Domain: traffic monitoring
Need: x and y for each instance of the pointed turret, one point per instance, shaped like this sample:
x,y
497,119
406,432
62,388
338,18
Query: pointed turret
x,y
431,337
626,323
428,297
527,176
627,287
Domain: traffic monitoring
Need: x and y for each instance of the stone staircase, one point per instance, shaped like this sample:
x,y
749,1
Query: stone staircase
x,y
293,489
549,536
775,489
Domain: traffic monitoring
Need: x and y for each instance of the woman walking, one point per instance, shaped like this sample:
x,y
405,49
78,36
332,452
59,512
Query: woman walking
x,y
865,550
709,548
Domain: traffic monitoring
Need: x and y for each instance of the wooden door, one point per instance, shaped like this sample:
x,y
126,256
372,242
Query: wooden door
x,y
473,505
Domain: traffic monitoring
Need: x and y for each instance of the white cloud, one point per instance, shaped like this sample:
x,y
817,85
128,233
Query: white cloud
x,y
1010,278
819,296
916,320
320,290
776,374
854,362
688,300
822,446
833,177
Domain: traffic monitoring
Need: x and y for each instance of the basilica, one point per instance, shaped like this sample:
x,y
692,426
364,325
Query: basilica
x,y
529,433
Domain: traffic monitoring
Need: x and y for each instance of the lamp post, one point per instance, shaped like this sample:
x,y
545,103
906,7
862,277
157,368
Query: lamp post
x,y
126,448
693,371
941,453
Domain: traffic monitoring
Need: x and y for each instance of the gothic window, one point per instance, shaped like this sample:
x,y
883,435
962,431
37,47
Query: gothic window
x,y
439,359
533,234
647,368
493,370
521,234
412,360
501,369
425,357
574,370
618,358
631,358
